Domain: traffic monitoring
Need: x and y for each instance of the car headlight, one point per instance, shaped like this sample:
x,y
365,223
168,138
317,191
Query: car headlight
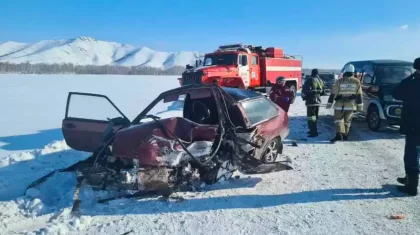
x,y
395,111
398,111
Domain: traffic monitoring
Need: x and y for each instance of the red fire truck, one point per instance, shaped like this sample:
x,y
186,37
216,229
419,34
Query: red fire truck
x,y
246,67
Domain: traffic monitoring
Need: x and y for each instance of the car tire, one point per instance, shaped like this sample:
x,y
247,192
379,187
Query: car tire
x,y
294,90
271,151
373,118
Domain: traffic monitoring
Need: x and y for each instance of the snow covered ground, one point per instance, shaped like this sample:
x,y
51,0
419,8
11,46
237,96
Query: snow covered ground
x,y
343,188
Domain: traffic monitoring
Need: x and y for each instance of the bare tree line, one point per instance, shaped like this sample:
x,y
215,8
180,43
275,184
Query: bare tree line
x,y
68,68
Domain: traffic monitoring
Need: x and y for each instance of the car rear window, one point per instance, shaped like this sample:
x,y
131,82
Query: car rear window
x,y
259,110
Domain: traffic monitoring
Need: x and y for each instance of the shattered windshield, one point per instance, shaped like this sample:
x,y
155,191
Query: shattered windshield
x,y
220,59
393,74
167,108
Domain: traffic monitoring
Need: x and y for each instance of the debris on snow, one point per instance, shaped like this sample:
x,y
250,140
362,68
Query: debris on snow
x,y
398,217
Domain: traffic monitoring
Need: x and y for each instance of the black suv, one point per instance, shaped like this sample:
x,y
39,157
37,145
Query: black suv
x,y
379,78
329,80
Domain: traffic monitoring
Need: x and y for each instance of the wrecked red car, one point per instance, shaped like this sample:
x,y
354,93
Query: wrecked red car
x,y
204,133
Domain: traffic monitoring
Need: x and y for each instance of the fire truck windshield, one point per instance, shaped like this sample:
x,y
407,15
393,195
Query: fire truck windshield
x,y
220,59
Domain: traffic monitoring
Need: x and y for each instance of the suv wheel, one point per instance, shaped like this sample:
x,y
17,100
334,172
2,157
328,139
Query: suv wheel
x,y
373,119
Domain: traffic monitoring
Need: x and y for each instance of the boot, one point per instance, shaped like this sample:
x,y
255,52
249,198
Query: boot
x,y
311,135
411,185
338,137
402,180
313,132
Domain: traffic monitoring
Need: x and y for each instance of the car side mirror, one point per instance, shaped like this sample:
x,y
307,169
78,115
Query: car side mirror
x,y
367,79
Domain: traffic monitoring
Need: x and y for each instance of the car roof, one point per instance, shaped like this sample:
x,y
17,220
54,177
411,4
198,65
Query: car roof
x,y
236,94
241,94
383,62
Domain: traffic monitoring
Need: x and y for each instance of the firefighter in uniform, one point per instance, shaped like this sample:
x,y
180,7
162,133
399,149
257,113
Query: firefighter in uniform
x,y
281,94
347,94
311,93
408,92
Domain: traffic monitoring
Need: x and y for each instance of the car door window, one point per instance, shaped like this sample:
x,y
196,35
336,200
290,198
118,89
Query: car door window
x,y
368,74
91,107
258,110
341,72
358,70
168,108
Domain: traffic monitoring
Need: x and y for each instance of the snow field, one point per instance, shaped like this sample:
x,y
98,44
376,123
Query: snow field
x,y
342,188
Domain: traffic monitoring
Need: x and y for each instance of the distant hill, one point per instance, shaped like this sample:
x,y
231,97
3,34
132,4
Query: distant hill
x,y
89,51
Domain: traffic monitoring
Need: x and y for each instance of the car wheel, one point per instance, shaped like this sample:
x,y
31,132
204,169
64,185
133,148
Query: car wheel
x,y
373,119
294,91
271,152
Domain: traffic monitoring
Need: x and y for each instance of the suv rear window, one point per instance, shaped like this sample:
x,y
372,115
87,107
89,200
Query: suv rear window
x,y
393,74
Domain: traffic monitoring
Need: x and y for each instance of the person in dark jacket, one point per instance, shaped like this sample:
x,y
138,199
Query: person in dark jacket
x,y
311,93
408,92
281,94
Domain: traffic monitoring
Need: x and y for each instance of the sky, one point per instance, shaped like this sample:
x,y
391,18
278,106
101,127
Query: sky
x,y
326,33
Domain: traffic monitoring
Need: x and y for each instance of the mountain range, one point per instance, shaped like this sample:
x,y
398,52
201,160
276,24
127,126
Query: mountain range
x,y
90,51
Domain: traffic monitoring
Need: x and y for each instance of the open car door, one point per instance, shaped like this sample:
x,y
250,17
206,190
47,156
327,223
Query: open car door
x,y
87,118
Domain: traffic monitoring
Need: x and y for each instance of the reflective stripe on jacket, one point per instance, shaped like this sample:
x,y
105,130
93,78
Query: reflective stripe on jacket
x,y
347,94
311,90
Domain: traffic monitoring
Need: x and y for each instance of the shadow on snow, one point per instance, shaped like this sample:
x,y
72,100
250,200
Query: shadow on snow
x,y
153,206
326,128
31,141
18,174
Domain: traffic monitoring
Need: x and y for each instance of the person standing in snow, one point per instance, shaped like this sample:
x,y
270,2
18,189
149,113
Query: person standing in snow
x,y
408,92
281,94
347,94
311,93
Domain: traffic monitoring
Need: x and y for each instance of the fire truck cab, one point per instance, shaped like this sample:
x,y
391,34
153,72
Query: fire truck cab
x,y
245,67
